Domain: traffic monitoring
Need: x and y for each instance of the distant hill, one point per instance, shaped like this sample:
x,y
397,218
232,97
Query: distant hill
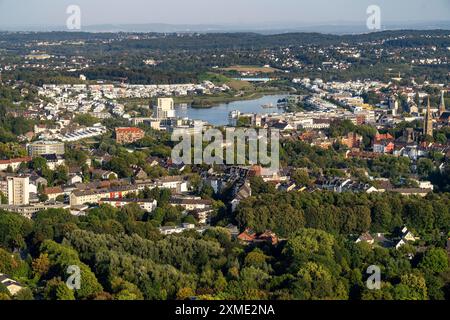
x,y
339,28
234,39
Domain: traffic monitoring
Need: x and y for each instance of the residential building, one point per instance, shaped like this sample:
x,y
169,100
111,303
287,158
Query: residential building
x,y
191,204
400,244
164,109
175,183
242,193
53,160
13,286
84,133
202,215
129,135
40,148
150,122
383,143
146,204
408,235
88,196
365,237
80,197
352,140
249,236
75,179
29,210
37,181
18,191
53,192
174,230
13,163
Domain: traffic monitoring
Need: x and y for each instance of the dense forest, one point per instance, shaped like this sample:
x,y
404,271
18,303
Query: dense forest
x,y
345,213
122,255
202,41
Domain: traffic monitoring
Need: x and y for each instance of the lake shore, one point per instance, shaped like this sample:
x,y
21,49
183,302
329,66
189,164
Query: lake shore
x,y
207,102
219,114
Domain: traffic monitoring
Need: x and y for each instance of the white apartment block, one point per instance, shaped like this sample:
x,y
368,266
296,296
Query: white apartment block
x,y
165,108
17,190
94,196
39,148
145,204
14,164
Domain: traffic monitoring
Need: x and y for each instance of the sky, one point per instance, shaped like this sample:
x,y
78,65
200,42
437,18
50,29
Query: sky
x,y
218,12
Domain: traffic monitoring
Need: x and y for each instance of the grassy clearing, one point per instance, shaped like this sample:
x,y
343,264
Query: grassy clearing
x,y
220,79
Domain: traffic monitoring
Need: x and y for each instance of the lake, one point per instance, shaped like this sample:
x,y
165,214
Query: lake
x,y
218,114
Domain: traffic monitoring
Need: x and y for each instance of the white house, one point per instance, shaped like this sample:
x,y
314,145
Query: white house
x,y
173,230
176,183
191,204
13,163
13,286
400,244
146,204
75,179
365,237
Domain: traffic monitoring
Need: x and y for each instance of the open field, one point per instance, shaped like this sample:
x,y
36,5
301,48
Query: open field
x,y
219,79
239,85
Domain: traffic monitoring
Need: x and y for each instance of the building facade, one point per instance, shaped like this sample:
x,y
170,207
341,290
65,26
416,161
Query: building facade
x,y
39,148
129,135
13,163
164,109
145,204
17,190
94,196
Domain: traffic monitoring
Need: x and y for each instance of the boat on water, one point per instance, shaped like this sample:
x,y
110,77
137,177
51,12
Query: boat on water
x,y
267,106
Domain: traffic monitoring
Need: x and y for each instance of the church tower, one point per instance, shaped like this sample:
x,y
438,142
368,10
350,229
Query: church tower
x,y
442,105
428,125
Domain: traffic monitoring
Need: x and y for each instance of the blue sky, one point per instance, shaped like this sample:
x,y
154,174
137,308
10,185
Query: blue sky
x,y
52,12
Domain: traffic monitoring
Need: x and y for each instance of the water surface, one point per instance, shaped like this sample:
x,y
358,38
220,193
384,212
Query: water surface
x,y
218,115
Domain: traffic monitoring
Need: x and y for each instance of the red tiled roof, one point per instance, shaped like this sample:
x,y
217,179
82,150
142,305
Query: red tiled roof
x,y
25,159
54,190
129,129
386,136
269,236
247,235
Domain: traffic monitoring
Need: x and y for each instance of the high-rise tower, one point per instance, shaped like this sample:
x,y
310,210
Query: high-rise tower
x,y
428,125
18,190
164,109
